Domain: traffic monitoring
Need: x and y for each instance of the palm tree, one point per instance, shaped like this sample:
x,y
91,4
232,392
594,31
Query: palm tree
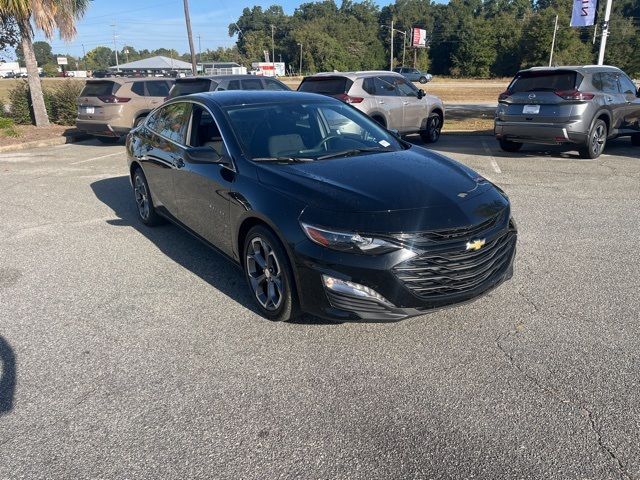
x,y
48,16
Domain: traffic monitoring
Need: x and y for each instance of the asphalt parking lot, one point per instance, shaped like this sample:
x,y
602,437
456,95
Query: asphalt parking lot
x,y
130,352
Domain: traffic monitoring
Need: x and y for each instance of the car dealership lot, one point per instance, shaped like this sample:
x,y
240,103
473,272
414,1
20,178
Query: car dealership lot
x,y
136,352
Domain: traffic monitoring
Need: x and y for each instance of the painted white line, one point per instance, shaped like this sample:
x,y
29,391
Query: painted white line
x,y
97,158
494,164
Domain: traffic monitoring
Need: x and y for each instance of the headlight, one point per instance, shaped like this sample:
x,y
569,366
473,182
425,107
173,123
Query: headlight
x,y
347,241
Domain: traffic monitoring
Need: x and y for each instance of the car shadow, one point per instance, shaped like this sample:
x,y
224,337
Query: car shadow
x,y
8,376
181,247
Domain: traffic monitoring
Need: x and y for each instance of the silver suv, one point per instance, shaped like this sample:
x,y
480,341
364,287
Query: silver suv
x,y
584,106
387,97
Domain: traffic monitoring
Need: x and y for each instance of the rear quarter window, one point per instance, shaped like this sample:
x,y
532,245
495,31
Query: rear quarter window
x,y
158,89
99,89
327,86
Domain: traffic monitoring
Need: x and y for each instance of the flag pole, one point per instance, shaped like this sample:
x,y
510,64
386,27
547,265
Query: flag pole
x,y
605,32
553,42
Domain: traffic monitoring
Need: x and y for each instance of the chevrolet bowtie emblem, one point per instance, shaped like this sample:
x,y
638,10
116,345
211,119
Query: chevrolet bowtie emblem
x,y
476,244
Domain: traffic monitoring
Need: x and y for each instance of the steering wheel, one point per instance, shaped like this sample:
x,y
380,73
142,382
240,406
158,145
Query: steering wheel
x,y
325,140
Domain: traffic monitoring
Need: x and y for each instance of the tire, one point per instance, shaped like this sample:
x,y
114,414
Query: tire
x,y
431,134
635,139
144,203
509,146
596,141
269,275
423,80
139,121
108,140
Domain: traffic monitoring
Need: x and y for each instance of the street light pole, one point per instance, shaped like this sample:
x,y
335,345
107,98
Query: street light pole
x,y
115,47
300,58
273,50
391,55
553,42
605,32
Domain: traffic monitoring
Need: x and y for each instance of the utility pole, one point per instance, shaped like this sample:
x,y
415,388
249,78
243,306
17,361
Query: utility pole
x,y
391,55
553,42
605,32
115,47
300,58
84,57
187,19
273,49
199,50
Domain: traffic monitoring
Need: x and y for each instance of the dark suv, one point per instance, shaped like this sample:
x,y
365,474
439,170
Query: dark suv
x,y
583,106
217,83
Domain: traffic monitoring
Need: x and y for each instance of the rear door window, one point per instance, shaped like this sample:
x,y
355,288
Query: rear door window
x,y
609,82
158,89
326,85
252,84
545,81
99,89
233,85
138,88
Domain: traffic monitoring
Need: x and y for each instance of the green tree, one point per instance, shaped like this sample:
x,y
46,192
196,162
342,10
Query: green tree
x,y
100,58
48,16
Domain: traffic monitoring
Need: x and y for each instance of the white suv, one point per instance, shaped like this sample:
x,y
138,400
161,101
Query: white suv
x,y
387,97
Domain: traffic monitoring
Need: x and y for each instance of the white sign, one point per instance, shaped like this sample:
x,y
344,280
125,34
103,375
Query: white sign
x,y
418,37
62,61
584,13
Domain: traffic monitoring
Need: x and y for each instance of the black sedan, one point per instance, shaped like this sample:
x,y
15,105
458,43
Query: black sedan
x,y
326,212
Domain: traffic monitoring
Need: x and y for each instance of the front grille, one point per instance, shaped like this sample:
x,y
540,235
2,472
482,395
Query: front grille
x,y
424,239
450,272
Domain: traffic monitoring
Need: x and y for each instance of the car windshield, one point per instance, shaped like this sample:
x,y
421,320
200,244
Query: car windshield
x,y
543,81
289,132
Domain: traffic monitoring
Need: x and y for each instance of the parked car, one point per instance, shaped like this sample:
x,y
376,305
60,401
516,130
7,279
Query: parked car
x,y
109,108
326,211
413,74
582,106
387,97
10,75
102,74
218,83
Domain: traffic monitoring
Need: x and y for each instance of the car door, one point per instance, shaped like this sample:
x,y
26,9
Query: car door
x,y
157,91
614,100
388,99
631,119
162,151
202,188
414,109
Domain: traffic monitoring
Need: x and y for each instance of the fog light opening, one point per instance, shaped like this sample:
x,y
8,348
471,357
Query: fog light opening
x,y
353,289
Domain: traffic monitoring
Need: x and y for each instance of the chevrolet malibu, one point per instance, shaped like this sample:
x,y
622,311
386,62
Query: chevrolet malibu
x,y
325,211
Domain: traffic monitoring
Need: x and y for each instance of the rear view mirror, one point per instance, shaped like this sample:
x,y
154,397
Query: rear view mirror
x,y
205,155
421,93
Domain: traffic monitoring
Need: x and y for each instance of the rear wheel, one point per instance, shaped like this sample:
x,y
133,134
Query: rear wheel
x,y
269,275
139,121
378,119
108,140
431,133
146,211
596,140
635,139
509,146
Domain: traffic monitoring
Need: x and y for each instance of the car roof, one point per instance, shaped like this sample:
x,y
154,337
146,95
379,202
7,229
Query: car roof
x,y
355,75
218,78
229,98
129,79
576,68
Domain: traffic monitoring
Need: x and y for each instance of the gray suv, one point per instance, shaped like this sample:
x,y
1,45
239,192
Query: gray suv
x,y
582,106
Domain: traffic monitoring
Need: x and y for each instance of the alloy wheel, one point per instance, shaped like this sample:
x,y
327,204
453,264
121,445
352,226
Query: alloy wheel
x,y
142,197
598,139
265,274
434,128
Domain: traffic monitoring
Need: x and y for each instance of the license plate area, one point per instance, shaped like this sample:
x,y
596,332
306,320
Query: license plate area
x,y
531,109
86,110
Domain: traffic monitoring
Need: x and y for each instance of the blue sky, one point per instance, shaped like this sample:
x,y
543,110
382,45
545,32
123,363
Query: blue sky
x,y
160,23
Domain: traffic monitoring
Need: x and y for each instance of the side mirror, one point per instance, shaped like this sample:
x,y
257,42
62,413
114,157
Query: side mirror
x,y
205,155
421,94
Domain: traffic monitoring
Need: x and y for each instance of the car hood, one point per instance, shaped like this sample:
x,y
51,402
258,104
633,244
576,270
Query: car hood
x,y
405,185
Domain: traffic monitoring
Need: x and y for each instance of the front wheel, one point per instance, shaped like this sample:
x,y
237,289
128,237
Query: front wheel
x,y
431,133
509,146
422,79
269,275
596,141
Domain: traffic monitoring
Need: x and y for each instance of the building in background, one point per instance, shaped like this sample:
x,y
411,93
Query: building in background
x,y
221,68
268,69
154,66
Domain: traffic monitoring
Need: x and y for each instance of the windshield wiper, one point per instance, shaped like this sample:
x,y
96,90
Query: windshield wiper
x,y
282,159
353,151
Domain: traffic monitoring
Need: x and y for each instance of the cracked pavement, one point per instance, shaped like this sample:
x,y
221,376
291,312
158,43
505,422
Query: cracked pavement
x,y
136,353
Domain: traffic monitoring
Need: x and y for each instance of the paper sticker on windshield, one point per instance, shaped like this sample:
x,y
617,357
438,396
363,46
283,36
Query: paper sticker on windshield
x,y
384,143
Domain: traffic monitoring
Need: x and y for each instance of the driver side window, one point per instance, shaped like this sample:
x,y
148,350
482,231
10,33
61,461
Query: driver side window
x,y
405,88
205,132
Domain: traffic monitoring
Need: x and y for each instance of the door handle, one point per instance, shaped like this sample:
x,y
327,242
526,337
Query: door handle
x,y
381,102
405,103
609,99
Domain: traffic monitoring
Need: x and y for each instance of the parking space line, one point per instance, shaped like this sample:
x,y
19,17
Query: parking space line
x,y
494,163
98,158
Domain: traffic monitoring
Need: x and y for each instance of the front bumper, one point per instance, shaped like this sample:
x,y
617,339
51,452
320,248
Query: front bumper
x,y
540,133
101,128
401,298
